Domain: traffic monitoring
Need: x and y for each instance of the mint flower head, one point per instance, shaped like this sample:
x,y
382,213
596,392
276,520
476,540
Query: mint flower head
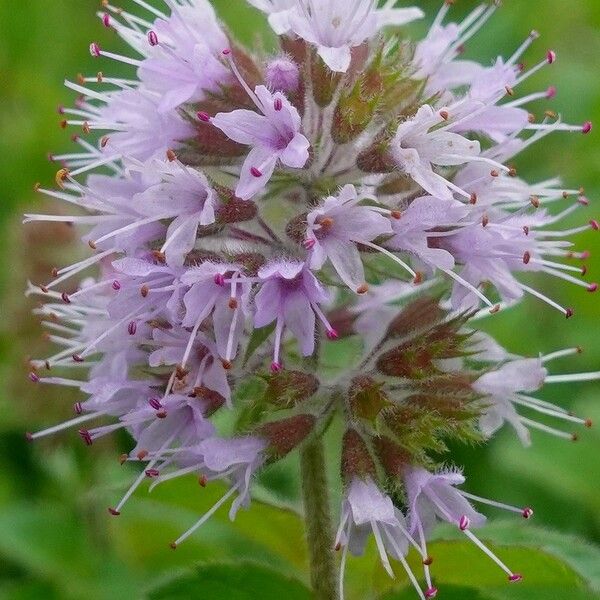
x,y
244,212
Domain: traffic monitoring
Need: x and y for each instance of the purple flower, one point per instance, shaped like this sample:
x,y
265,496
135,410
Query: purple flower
x,y
496,121
507,243
209,294
335,30
183,53
431,59
135,127
290,296
130,210
110,388
235,459
367,510
508,387
433,497
274,136
436,55
336,227
416,149
180,420
114,223
146,290
195,355
184,195
413,229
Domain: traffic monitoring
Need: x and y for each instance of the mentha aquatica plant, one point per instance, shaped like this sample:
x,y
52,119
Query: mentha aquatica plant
x,y
243,210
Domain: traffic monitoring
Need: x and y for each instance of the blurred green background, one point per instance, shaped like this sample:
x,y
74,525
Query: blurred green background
x,y
56,538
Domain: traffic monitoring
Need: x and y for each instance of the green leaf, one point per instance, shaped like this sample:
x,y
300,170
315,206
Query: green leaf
x,y
48,542
450,592
339,356
563,470
27,590
579,555
249,396
240,581
553,566
149,522
257,339
453,592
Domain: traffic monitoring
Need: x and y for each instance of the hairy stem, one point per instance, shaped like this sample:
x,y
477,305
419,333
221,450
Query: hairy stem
x,y
317,514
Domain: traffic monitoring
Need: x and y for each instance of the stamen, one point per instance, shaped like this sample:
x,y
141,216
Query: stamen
x,y
472,288
142,475
488,552
227,54
546,429
96,51
389,255
426,562
204,518
534,35
63,426
276,364
558,414
566,311
343,562
572,378
385,561
500,505
405,565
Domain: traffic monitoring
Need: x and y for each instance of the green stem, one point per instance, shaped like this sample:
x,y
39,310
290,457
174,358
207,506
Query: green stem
x,y
317,514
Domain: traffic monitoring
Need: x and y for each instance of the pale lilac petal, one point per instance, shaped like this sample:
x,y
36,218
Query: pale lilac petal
x,y
300,318
177,96
181,238
337,59
525,375
263,159
268,304
368,503
288,269
215,378
345,258
295,154
243,126
447,149
398,16
220,454
430,182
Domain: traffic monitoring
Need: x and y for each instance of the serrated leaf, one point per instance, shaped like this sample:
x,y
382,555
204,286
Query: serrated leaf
x,y
581,556
550,562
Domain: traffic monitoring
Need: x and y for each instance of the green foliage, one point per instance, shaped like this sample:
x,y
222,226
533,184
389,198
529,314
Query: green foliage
x,y
238,581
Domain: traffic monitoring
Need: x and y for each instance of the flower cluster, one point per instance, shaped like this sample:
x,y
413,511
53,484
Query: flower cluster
x,y
245,210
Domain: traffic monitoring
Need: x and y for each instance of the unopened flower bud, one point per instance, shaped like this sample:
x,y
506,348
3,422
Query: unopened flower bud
x,y
356,458
285,435
283,75
288,388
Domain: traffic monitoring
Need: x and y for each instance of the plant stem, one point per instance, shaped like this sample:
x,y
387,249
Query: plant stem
x,y
317,515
